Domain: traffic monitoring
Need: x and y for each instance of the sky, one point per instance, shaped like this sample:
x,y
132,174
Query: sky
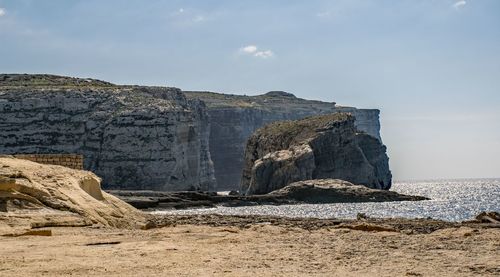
x,y
431,66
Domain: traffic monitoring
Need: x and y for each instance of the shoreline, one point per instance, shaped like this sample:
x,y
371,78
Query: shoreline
x,y
180,200
412,225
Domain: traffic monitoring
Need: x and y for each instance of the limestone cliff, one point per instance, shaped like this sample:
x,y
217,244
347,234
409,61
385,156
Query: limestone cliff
x,y
133,137
318,147
235,117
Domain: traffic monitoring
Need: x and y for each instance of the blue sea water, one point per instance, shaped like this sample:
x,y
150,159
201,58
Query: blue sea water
x,y
451,200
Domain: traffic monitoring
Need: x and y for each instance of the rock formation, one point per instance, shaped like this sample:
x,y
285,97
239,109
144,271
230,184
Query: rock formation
x,y
153,138
133,137
51,195
301,192
235,117
318,147
338,191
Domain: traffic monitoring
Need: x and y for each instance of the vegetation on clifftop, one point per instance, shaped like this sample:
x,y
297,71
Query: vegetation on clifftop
x,y
302,128
47,80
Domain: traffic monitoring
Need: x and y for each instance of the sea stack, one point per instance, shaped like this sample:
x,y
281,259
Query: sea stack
x,y
317,147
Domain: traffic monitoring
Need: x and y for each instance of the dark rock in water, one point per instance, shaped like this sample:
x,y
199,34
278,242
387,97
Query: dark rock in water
x,y
318,147
311,191
338,191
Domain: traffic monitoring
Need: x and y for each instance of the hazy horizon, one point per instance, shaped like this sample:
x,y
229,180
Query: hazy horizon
x,y
432,67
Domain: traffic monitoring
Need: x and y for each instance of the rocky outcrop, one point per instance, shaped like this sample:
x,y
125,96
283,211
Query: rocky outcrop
x,y
235,117
338,191
318,147
49,195
133,137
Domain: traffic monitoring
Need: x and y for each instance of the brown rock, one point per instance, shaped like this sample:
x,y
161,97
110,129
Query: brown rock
x,y
62,194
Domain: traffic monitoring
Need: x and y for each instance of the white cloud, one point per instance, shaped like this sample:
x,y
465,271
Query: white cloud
x,y
459,4
249,49
324,14
264,54
188,17
253,50
2,12
198,18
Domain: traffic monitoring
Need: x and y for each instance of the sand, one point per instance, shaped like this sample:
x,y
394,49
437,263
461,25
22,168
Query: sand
x,y
255,249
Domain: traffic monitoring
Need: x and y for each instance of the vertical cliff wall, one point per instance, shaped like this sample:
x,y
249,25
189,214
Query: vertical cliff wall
x,y
133,137
233,119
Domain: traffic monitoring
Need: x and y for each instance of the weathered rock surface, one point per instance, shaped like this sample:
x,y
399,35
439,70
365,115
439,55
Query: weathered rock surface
x,y
338,191
133,137
38,195
318,147
310,191
233,119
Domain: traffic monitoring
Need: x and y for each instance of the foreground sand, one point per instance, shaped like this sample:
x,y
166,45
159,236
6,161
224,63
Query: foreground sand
x,y
255,249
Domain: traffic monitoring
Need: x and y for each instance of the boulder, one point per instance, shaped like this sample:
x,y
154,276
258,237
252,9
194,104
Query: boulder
x,y
318,147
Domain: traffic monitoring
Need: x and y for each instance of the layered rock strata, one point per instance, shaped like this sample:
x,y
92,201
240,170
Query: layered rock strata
x,y
318,147
133,137
39,195
234,118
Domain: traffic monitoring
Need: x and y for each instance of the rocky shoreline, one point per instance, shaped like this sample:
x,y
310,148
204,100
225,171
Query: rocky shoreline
x,y
56,221
407,226
304,192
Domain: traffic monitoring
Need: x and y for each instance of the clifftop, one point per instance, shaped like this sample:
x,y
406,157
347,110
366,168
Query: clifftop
x,y
280,94
47,80
268,101
293,132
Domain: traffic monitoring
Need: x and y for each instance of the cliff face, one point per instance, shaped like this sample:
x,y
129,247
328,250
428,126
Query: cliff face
x,y
318,147
234,118
147,137
133,137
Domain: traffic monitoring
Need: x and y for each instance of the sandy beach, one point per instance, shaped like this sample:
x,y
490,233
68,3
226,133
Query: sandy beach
x,y
198,246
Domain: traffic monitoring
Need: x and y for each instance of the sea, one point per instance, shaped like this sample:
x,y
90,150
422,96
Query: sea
x,y
451,200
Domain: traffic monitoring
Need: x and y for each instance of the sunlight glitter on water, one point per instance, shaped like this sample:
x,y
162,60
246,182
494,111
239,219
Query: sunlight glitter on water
x,y
451,200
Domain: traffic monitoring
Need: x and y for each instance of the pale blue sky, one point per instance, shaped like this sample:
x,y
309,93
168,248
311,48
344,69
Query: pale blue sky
x,y
431,66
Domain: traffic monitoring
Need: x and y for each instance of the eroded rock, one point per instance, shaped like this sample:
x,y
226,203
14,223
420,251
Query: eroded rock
x,y
338,191
319,147
51,195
